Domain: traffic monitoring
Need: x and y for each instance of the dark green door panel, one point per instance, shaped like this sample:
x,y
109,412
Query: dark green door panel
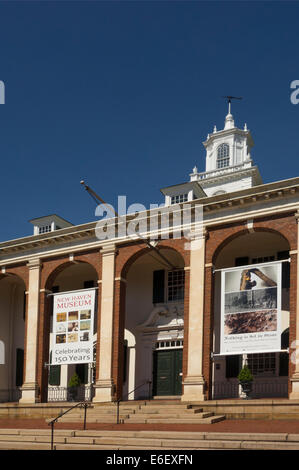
x,y
167,379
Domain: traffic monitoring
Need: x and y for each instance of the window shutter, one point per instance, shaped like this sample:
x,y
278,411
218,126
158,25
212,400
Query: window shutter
x,y
243,261
283,255
284,364
82,371
285,273
158,286
233,366
19,367
88,284
54,373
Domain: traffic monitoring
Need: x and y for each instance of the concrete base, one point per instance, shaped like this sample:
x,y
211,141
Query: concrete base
x,y
294,395
193,389
29,393
262,408
103,391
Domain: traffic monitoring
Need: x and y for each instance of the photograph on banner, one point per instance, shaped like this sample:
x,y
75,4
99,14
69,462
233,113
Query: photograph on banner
x,y
251,309
73,320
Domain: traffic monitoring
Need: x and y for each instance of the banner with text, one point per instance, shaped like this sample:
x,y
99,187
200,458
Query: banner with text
x,y
73,319
251,309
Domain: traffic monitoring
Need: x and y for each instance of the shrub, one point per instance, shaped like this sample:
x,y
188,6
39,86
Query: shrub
x,y
245,375
74,381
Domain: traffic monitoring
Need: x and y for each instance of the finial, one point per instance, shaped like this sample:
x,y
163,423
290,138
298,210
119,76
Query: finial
x,y
245,127
229,100
195,170
215,130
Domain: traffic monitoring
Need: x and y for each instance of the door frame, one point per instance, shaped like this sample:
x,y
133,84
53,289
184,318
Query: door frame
x,y
178,370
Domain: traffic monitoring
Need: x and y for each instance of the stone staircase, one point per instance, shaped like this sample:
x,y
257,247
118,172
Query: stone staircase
x,y
143,413
40,439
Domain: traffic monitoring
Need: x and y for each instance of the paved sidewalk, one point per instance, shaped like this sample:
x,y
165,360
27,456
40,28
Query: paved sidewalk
x,y
238,426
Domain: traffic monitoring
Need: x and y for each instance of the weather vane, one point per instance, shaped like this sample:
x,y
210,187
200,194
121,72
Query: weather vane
x,y
229,100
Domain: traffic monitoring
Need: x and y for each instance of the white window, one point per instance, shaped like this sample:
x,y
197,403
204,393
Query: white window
x,y
176,285
44,229
169,344
263,259
264,363
179,198
223,156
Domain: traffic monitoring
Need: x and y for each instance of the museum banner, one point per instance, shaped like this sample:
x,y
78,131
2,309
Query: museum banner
x,y
73,324
251,309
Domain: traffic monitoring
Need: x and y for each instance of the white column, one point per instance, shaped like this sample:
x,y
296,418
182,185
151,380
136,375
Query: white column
x,y
104,384
30,386
194,381
294,348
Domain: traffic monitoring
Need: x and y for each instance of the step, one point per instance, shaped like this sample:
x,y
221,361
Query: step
x,y
153,410
191,435
23,446
167,415
35,439
210,420
103,420
150,445
166,405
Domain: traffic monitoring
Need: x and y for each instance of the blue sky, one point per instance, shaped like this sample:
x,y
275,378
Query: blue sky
x,y
122,94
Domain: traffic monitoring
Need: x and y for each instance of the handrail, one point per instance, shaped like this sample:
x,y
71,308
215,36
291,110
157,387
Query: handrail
x,y
136,388
82,404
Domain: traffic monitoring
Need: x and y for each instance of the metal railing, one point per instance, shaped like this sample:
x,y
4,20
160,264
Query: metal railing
x,y
84,405
81,393
260,389
269,389
148,382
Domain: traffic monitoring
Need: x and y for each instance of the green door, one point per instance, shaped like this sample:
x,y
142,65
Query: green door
x,y
167,378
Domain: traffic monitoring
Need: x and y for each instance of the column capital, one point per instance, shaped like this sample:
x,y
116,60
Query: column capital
x,y
297,215
199,233
34,263
108,249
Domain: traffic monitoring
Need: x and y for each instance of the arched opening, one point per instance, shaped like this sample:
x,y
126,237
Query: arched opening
x,y
270,369
67,278
12,333
154,326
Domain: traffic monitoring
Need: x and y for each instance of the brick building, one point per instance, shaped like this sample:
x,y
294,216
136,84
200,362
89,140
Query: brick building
x,y
158,313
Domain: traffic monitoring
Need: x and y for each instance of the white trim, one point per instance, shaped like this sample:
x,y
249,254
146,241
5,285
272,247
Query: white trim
x,y
118,241
70,291
250,266
255,352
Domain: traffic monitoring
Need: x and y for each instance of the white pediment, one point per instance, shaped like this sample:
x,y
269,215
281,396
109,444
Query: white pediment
x,y
164,316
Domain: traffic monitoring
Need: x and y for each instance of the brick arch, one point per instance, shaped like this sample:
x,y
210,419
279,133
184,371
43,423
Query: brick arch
x,y
129,254
20,273
284,226
126,256
52,268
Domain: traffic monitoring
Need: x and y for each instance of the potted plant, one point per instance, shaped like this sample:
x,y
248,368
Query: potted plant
x,y
73,385
246,378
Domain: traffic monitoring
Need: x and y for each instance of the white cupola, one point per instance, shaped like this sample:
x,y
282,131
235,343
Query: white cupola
x,y
229,166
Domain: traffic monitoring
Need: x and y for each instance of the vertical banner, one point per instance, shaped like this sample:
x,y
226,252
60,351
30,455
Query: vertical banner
x,y
251,309
73,322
